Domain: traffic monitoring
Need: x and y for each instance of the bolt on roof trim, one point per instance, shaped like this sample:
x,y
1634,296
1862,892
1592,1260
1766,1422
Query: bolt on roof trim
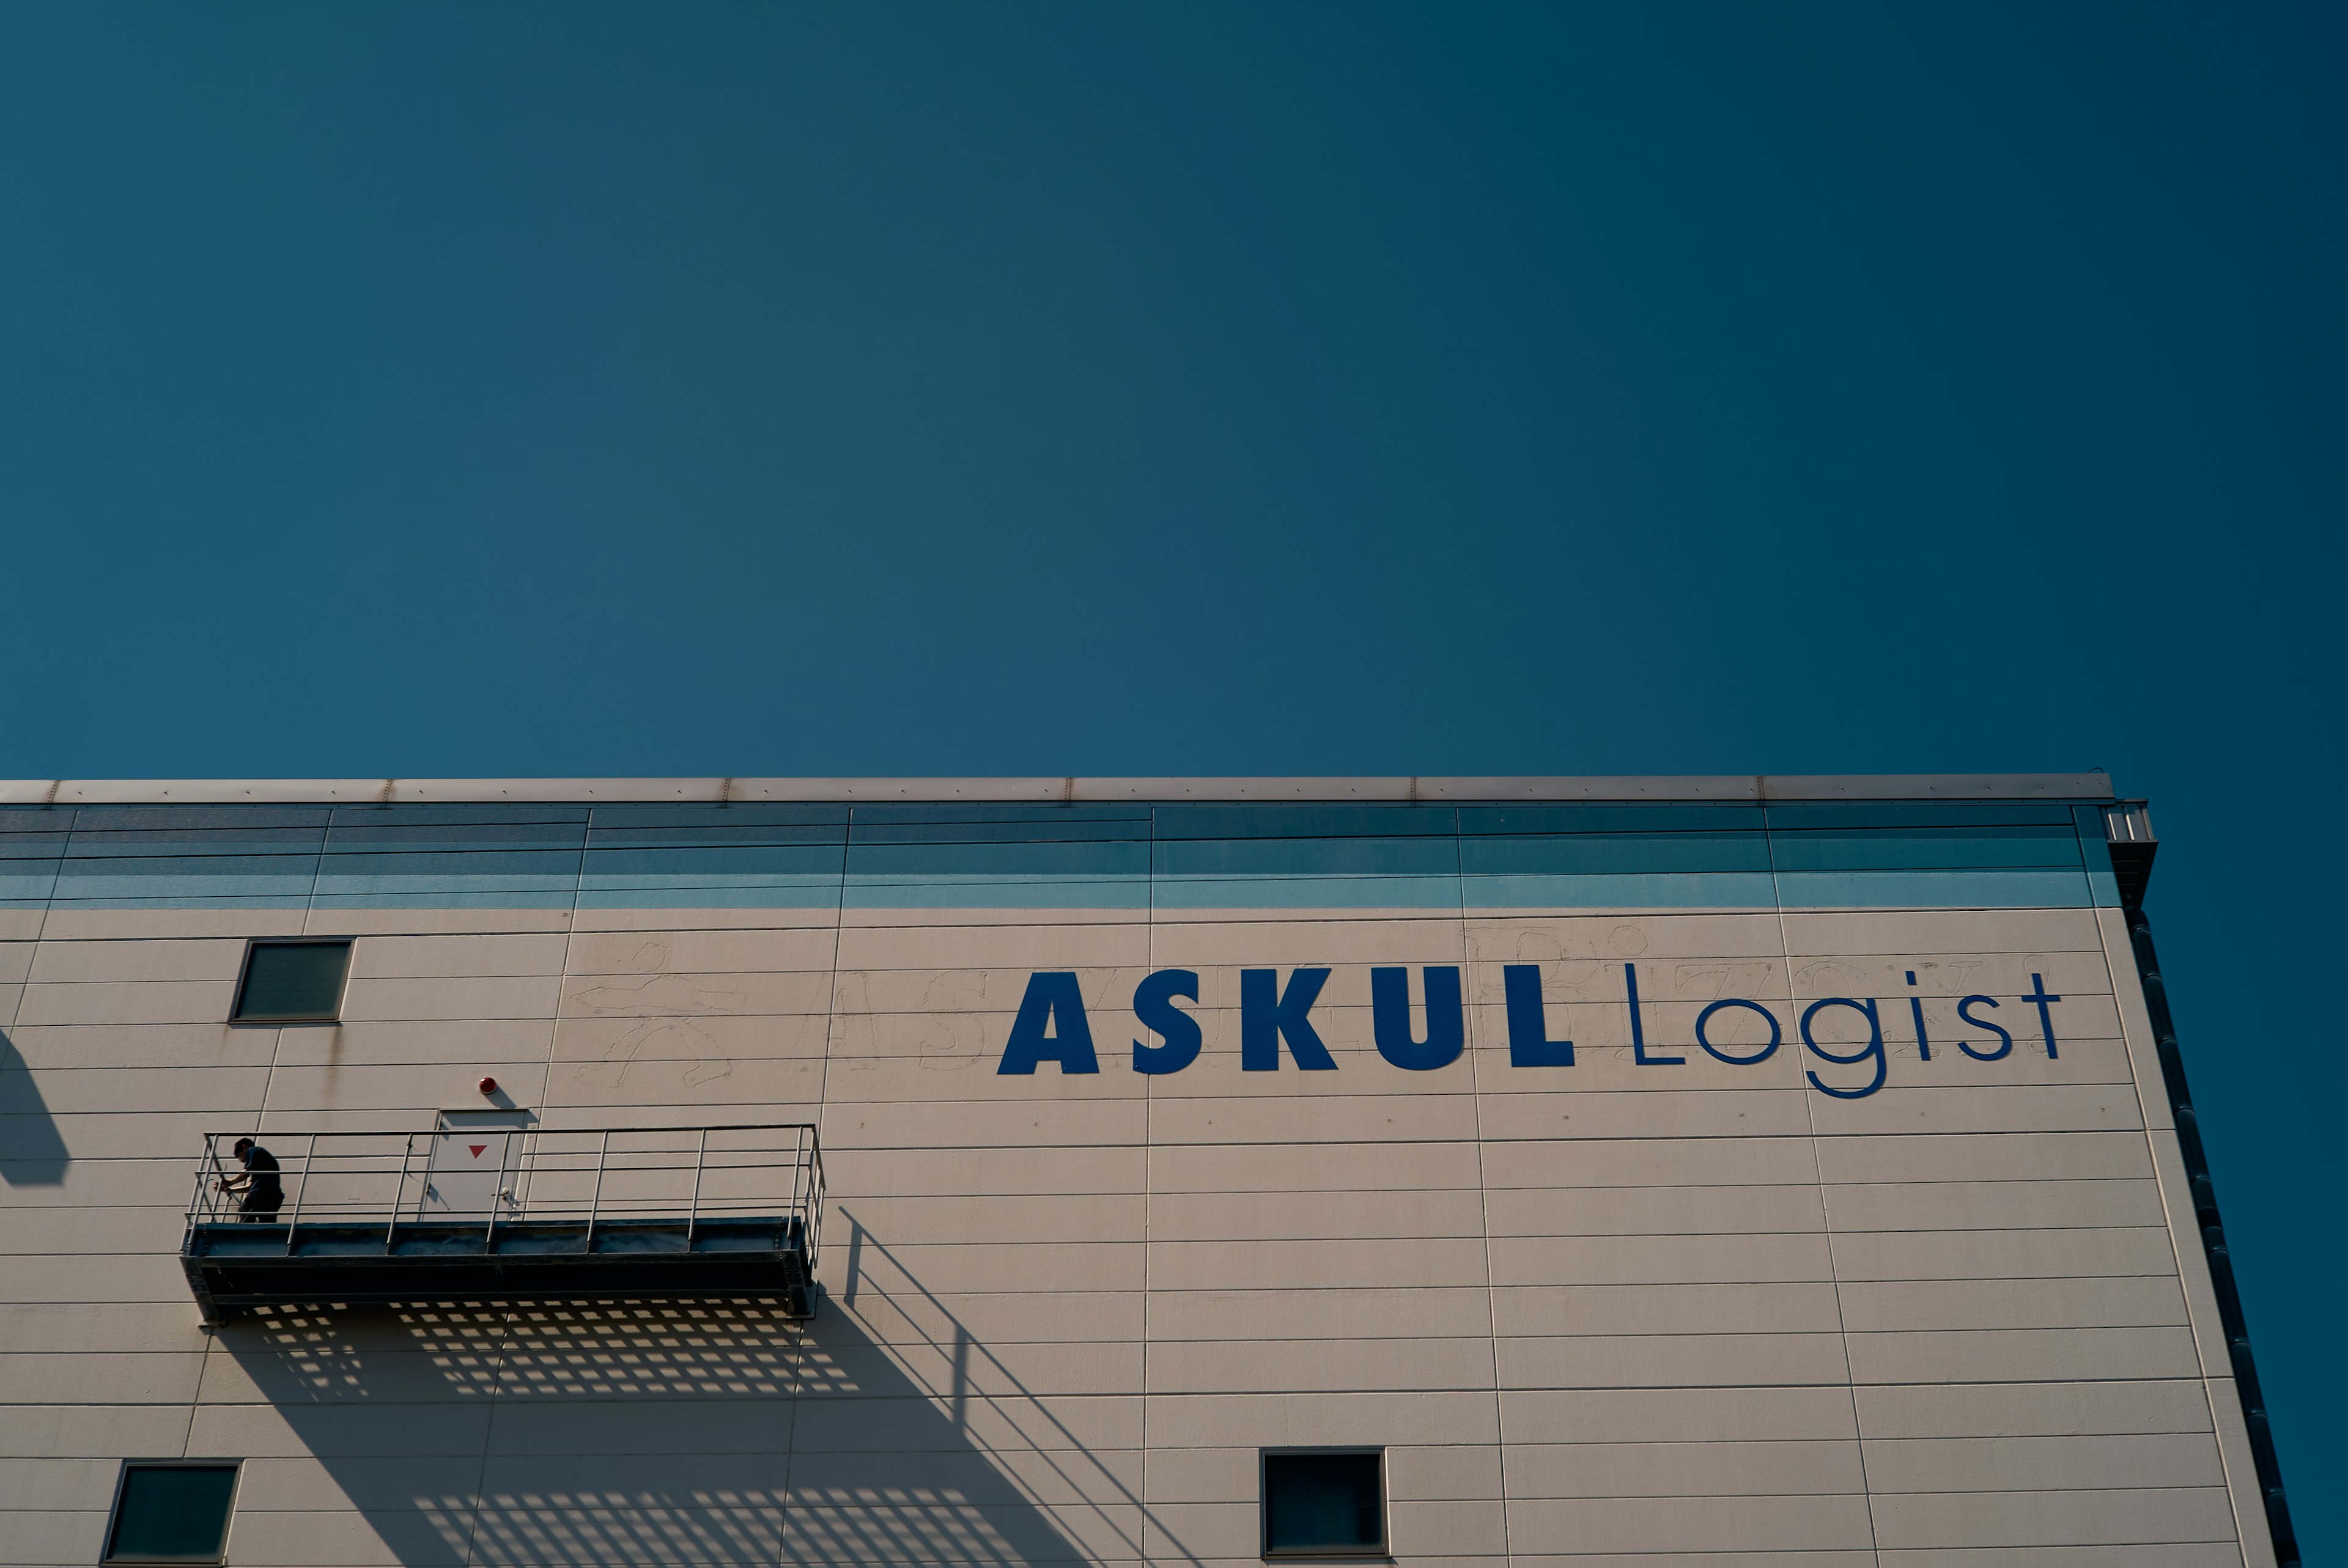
x,y
1748,787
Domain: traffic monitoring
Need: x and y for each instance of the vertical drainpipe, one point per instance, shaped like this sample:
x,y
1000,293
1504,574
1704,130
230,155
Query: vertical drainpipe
x,y
2129,834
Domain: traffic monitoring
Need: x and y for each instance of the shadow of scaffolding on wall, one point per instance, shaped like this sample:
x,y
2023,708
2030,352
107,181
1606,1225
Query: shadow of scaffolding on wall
x,y
667,1432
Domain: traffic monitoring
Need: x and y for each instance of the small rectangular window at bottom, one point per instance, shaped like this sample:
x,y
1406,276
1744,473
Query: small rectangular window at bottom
x,y
1330,1503
172,1513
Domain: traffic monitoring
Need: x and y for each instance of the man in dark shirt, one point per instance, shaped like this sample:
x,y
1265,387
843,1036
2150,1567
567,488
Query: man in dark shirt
x,y
263,1193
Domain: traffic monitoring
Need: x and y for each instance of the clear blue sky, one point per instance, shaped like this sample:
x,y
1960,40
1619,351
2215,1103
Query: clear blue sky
x,y
1256,388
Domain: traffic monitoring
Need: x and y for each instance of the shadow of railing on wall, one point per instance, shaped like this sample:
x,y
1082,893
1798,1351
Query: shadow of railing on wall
x,y
1031,1442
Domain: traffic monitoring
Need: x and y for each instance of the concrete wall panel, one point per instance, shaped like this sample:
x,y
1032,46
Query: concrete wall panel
x,y
1793,1468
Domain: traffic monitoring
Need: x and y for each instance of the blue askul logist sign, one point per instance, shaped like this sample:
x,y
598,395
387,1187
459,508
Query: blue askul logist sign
x,y
1276,1016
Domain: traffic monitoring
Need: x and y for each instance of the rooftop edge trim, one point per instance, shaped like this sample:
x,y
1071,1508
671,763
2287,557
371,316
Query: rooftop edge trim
x,y
1751,788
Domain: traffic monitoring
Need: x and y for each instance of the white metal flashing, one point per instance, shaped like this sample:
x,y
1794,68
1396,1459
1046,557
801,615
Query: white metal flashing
x,y
715,791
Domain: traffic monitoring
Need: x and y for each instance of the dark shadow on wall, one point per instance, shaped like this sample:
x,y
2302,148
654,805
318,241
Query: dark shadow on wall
x,y
661,1432
32,1151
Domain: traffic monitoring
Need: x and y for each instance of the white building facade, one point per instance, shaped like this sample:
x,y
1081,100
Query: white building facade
x,y
1743,1172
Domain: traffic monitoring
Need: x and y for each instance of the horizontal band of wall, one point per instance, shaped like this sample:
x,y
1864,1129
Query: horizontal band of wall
x,y
1480,856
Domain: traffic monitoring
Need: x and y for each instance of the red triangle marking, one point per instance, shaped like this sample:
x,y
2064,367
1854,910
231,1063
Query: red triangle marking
x,y
477,1149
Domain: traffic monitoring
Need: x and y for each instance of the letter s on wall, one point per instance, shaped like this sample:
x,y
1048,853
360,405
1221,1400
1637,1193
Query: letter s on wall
x,y
1153,1004
2005,1041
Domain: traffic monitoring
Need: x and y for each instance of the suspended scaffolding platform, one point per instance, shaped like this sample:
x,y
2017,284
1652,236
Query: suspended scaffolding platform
x,y
474,1214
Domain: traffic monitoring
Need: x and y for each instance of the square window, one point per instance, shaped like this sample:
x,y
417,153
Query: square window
x,y
172,1513
292,982
1326,1504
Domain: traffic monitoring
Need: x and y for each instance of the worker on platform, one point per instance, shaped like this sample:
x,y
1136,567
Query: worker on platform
x,y
261,1194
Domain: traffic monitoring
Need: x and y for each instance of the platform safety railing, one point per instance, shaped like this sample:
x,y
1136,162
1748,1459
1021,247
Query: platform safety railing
x,y
595,1176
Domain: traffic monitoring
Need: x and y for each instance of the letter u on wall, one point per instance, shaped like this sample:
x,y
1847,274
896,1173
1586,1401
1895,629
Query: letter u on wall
x,y
1446,1020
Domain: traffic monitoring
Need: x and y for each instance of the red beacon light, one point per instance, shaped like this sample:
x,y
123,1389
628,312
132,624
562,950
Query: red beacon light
x,y
488,1086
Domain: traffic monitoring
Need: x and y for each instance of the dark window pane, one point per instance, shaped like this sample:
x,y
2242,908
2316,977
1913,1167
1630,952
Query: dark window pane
x,y
1322,1502
172,1511
293,980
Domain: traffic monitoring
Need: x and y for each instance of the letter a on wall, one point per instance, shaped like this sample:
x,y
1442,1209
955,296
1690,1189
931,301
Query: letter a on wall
x,y
1051,1000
